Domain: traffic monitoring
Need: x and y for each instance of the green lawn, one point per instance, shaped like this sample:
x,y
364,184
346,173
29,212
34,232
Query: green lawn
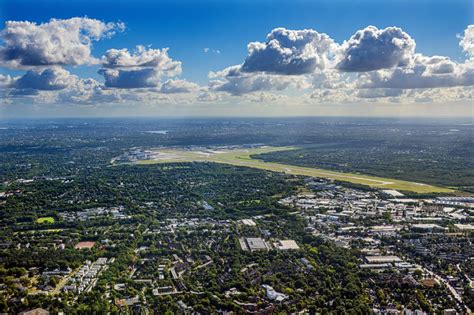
x,y
45,220
241,157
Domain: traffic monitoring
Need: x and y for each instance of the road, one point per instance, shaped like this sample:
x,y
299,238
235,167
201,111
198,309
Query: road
x,y
454,293
63,282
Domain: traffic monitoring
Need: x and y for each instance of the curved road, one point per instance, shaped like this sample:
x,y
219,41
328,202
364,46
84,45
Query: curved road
x,y
454,293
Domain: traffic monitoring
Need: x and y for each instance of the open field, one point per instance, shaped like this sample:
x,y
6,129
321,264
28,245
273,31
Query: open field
x,y
45,220
242,157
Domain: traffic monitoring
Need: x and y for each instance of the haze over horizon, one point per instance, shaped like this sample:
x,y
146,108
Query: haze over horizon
x,y
236,59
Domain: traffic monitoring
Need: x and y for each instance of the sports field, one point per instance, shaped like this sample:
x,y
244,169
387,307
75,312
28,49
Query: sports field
x,y
241,157
45,220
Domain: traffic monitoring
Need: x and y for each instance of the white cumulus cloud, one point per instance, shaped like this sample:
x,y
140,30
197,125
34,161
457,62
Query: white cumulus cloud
x,y
236,82
424,72
373,49
6,81
290,52
178,86
48,79
142,68
142,58
57,42
467,41
131,79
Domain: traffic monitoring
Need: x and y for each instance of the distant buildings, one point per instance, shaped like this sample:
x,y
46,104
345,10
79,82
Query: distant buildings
x,y
379,262
465,227
286,245
164,290
257,243
427,227
248,222
273,295
133,156
392,193
86,277
127,302
115,213
382,259
253,244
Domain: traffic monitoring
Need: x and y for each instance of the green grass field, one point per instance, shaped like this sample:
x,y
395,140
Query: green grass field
x,y
45,220
241,157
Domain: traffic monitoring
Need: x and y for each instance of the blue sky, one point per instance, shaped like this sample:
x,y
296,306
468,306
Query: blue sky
x,y
187,27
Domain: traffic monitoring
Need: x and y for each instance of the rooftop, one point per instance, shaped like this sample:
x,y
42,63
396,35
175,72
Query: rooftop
x,y
382,259
287,244
256,243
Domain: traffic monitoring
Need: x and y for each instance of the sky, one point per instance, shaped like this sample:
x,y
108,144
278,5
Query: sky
x,y
236,58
